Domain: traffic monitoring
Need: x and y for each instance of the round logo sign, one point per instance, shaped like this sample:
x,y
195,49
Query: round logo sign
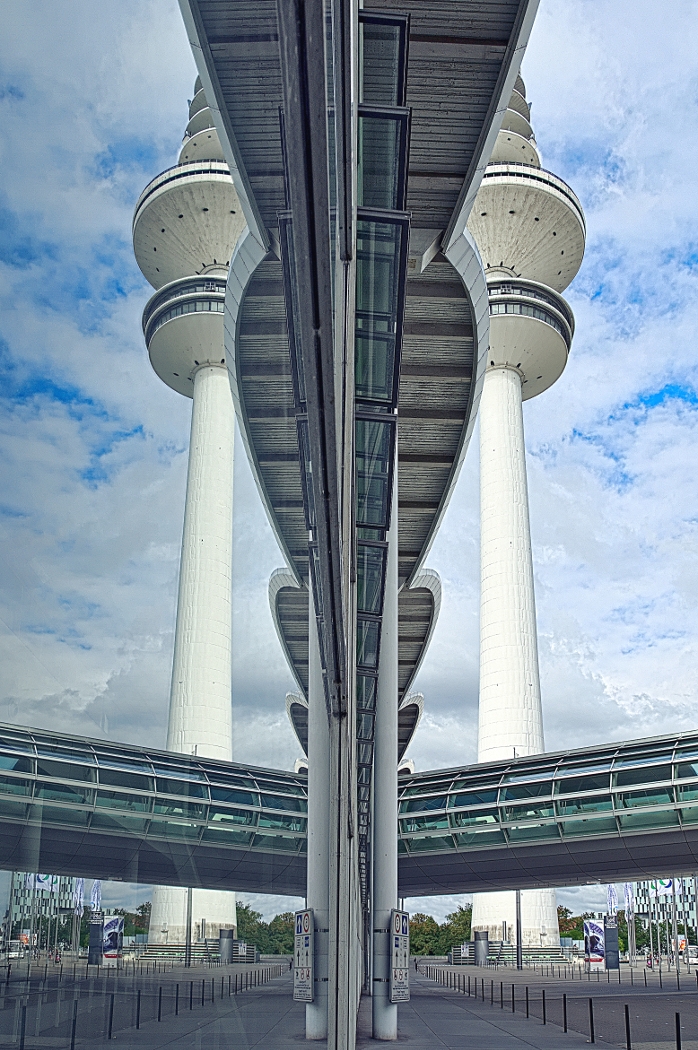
x,y
397,924
306,923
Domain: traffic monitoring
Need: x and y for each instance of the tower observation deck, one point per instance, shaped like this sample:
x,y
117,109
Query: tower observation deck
x,y
186,225
530,230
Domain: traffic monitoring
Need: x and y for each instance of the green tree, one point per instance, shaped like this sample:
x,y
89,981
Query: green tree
x,y
456,929
425,935
281,934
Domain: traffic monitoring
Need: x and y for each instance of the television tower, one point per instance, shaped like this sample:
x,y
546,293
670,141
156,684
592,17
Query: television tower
x,y
530,230
185,228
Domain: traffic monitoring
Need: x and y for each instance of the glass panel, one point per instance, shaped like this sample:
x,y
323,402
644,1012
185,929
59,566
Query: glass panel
x,y
380,282
49,750
182,787
364,726
16,742
227,836
170,829
181,772
306,473
232,816
431,844
473,798
366,692
527,775
292,307
119,822
589,827
569,806
115,800
15,786
63,793
123,762
479,839
689,815
12,810
528,812
19,764
412,824
297,805
579,784
367,639
175,808
364,752
64,770
416,805
574,770
687,770
475,816
650,797
687,792
290,823
649,819
60,815
383,58
277,842
642,758
374,452
643,775
527,791
121,778
370,576
284,786
529,832
382,155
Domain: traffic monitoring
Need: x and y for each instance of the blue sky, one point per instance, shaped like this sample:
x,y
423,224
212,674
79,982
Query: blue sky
x,y
93,446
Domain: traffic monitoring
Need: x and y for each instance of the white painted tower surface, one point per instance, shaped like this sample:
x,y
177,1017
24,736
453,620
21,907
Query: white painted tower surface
x,y
185,228
530,231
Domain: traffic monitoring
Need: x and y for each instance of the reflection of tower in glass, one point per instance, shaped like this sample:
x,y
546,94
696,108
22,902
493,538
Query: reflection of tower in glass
x,y
530,230
185,228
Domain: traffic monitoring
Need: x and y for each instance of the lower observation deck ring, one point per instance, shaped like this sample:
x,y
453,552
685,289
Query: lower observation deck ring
x,y
189,295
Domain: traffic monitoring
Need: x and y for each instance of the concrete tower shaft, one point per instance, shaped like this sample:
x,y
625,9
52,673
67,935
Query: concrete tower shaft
x,y
530,230
185,228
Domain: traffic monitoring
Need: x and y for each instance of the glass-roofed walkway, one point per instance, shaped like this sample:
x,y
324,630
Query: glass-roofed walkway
x,y
94,808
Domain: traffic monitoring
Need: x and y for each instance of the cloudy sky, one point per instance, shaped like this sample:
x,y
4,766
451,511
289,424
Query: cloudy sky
x,y
93,104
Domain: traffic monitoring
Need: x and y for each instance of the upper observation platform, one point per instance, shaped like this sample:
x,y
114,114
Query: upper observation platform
x,y
457,72
94,808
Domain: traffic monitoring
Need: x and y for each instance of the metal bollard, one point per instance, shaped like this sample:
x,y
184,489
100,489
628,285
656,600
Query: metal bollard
x,y
160,1003
544,1017
191,995
138,1009
111,1015
74,1024
501,995
628,1043
176,1000
527,1014
203,990
678,1031
23,1026
564,1012
592,1036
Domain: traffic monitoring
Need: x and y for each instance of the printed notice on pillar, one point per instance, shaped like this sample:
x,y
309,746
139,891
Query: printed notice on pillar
x,y
304,957
399,957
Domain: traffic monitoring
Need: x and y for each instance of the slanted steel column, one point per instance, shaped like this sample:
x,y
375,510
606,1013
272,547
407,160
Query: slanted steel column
x,y
385,795
318,830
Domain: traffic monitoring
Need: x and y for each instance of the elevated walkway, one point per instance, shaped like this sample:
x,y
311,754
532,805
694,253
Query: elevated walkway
x,y
98,809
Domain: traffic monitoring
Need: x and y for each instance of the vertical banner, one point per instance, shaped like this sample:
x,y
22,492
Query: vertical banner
x,y
611,950
594,942
96,895
399,957
113,940
304,957
612,898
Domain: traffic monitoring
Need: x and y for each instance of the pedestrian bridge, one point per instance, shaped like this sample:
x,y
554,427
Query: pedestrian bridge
x,y
98,809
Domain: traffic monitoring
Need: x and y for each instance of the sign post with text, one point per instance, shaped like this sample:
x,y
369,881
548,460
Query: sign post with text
x,y
304,957
399,957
